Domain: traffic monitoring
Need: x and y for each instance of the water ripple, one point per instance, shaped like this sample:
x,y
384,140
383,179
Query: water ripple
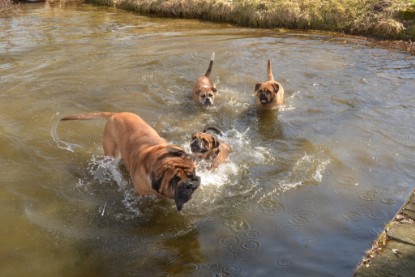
x,y
302,217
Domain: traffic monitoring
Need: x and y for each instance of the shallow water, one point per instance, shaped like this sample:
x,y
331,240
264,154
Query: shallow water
x,y
306,189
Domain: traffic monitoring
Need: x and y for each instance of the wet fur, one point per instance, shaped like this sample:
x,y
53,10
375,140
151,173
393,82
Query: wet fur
x,y
204,90
208,147
270,93
155,166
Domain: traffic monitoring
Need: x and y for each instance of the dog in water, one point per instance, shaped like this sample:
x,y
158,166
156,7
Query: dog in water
x,y
155,166
204,90
270,93
208,147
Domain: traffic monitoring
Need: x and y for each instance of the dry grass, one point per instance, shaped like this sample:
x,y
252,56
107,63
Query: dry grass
x,y
64,2
379,18
8,8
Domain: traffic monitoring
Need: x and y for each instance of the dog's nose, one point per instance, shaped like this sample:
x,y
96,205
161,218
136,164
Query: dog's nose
x,y
263,97
208,101
196,145
193,184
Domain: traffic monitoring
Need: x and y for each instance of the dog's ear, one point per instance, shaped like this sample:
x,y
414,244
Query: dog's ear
x,y
276,87
257,86
212,128
198,92
215,142
177,152
214,89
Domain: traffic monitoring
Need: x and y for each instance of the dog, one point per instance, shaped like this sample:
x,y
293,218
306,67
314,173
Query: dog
x,y
155,166
269,94
208,147
204,90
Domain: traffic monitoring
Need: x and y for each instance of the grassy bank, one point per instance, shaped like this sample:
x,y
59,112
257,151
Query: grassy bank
x,y
385,19
8,8
388,19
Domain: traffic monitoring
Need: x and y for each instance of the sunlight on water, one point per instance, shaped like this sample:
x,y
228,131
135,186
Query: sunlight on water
x,y
332,164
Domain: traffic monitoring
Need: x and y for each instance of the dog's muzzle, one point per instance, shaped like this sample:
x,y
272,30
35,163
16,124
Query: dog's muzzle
x,y
197,146
207,101
264,98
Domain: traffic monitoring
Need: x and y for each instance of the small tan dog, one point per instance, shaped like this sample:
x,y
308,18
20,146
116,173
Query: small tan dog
x,y
155,166
208,147
204,90
269,94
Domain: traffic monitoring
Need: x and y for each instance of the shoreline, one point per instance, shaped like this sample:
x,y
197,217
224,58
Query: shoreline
x,y
393,252
387,23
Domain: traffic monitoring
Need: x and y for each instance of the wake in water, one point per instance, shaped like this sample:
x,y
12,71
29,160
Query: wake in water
x,y
60,143
258,167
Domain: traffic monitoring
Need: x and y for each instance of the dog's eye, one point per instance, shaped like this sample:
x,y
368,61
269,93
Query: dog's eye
x,y
203,96
210,94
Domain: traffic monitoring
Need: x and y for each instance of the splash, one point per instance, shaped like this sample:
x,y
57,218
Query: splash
x,y
60,143
308,169
242,154
108,170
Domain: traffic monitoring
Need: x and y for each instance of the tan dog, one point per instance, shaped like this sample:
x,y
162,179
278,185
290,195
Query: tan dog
x,y
204,90
205,146
269,94
155,166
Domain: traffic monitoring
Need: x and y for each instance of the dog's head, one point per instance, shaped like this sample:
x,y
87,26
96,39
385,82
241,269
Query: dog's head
x,y
175,176
203,145
206,95
266,92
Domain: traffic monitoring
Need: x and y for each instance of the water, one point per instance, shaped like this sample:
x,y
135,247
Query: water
x,y
306,189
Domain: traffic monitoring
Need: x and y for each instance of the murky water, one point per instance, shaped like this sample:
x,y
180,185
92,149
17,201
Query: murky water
x,y
306,190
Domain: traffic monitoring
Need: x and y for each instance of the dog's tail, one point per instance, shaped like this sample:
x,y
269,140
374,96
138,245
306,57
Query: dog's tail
x,y
269,71
212,58
214,129
88,116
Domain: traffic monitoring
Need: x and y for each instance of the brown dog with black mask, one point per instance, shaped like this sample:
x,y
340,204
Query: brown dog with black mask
x,y
155,166
204,90
269,94
208,147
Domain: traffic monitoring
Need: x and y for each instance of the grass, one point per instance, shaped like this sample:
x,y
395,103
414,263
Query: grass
x,y
388,19
385,19
8,8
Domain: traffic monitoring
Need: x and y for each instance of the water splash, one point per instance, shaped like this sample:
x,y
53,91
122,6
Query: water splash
x,y
60,143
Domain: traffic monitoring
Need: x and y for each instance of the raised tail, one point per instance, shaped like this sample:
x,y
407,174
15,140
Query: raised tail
x,y
88,116
269,71
212,58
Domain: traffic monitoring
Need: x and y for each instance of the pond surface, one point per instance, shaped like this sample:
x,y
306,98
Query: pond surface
x,y
306,190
